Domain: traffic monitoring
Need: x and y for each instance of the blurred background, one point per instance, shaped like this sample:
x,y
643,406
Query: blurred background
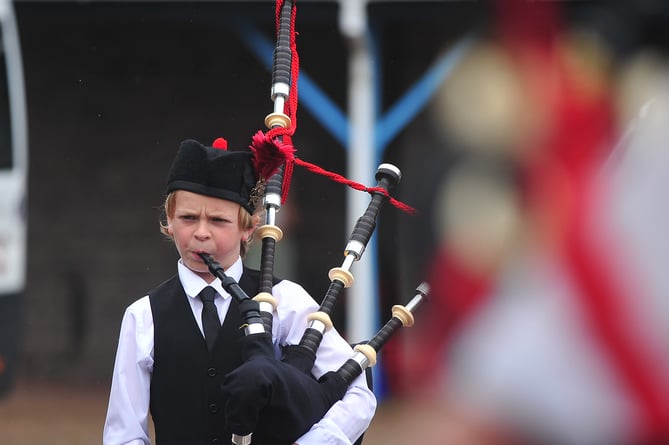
x,y
532,139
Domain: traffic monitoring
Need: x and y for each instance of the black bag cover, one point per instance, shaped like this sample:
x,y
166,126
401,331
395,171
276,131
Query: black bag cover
x,y
277,401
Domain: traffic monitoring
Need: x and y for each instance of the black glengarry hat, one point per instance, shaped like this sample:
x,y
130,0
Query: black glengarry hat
x,y
215,171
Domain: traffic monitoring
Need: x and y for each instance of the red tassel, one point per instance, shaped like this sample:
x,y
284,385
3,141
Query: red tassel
x,y
269,154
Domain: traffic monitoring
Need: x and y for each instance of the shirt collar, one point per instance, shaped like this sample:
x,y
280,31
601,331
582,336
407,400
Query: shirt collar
x,y
193,284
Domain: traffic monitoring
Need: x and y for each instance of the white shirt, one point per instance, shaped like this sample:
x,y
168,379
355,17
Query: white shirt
x,y
128,411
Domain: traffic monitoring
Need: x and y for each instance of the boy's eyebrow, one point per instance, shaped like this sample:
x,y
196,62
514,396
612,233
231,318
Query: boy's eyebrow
x,y
219,215
210,213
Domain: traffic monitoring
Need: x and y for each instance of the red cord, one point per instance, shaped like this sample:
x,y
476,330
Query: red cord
x,y
282,137
355,185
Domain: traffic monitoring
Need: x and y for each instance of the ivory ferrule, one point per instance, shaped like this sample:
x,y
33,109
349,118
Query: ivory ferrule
x,y
343,275
266,301
273,120
403,315
367,351
267,231
320,321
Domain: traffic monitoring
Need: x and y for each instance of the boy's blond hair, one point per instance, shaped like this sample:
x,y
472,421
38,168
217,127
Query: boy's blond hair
x,y
245,220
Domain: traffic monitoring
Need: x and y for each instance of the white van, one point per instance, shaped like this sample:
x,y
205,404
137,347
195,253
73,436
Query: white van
x,y
13,194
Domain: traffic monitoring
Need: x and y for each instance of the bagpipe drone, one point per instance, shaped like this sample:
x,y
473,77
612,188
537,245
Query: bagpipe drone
x,y
262,392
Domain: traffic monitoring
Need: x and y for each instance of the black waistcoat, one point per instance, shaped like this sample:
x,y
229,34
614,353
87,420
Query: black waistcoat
x,y
186,403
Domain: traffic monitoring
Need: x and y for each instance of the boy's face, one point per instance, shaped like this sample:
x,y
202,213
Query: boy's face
x,y
204,224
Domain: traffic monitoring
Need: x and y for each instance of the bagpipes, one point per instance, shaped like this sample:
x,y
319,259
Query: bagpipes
x,y
271,401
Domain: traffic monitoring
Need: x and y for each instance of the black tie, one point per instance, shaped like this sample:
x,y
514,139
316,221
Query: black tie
x,y
210,322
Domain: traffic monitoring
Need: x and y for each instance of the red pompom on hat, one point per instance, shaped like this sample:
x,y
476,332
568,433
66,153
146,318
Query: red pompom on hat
x,y
220,143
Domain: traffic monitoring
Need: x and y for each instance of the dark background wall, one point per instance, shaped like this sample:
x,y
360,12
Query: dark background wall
x,y
112,89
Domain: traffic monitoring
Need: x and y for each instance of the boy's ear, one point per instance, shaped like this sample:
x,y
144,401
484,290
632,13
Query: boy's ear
x,y
249,232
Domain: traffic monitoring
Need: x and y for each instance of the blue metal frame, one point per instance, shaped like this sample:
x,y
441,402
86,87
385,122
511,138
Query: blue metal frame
x,y
332,118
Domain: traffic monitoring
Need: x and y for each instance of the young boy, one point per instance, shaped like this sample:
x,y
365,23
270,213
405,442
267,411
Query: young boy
x,y
163,364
